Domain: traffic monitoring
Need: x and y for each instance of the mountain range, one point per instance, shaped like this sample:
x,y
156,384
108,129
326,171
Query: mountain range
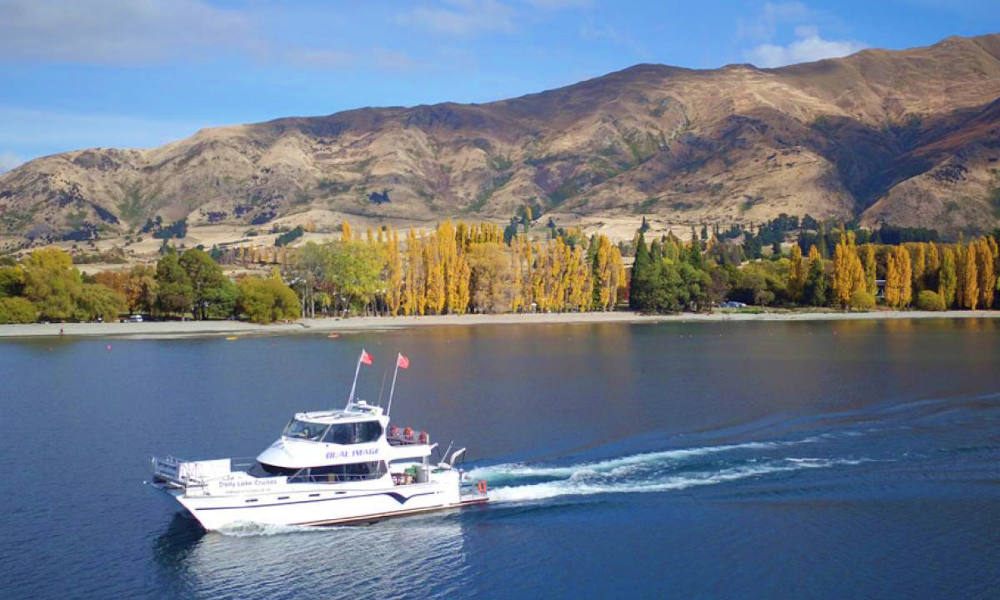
x,y
909,138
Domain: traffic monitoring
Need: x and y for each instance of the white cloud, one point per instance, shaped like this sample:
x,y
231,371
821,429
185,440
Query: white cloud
x,y
764,26
808,46
119,31
462,17
8,161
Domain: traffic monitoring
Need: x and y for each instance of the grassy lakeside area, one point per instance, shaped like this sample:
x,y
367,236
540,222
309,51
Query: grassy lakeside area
x,y
166,329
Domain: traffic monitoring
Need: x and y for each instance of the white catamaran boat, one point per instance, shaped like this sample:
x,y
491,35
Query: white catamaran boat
x,y
327,468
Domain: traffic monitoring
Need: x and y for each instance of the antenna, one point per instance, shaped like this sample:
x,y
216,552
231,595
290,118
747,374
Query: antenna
x,y
382,389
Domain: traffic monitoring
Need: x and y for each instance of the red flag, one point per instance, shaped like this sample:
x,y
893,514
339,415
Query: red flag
x,y
365,357
402,362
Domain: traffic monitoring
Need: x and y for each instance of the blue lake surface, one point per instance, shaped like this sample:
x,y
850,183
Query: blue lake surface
x,y
853,459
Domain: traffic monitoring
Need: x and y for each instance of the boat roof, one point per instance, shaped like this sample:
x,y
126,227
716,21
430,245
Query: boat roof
x,y
355,411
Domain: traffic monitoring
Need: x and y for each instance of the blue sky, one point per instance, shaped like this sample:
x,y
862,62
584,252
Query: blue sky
x,y
140,73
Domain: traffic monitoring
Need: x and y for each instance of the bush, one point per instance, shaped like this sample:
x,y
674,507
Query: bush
x,y
862,300
267,300
928,300
17,310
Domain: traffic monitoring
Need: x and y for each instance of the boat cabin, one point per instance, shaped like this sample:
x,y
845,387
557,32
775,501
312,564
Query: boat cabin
x,y
355,444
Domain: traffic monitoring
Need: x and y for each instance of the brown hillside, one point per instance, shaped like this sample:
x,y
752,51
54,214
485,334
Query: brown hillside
x,y
908,137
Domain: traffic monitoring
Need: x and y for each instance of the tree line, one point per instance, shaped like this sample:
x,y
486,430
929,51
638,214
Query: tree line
x,y
46,286
454,269
671,275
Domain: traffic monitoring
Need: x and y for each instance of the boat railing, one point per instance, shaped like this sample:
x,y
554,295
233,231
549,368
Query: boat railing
x,y
406,437
305,476
197,472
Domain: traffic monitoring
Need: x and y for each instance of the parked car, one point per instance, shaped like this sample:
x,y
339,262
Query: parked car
x,y
733,304
135,319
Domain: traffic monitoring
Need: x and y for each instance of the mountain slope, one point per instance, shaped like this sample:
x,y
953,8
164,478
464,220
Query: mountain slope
x,y
908,137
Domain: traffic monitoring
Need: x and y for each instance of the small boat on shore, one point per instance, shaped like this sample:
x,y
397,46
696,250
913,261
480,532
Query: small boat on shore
x,y
327,468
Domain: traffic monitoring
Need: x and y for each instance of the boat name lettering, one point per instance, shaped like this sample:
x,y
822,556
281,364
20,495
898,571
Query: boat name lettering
x,y
245,483
352,453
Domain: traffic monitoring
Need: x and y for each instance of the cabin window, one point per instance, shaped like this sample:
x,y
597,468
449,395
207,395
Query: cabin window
x,y
260,469
304,430
341,473
353,433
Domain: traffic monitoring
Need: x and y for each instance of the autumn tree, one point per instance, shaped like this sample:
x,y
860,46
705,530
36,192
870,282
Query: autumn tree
x,y
796,274
491,278
871,285
947,278
987,280
51,283
918,264
932,267
967,295
898,278
848,274
394,293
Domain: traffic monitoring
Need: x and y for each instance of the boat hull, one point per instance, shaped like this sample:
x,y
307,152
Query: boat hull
x,y
323,507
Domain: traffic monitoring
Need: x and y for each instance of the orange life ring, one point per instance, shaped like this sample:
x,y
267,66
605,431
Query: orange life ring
x,y
481,486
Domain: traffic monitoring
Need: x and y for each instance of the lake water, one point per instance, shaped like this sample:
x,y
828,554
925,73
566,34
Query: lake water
x,y
855,459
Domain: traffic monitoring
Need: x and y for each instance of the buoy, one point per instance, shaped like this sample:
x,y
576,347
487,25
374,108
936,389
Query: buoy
x,y
481,486
109,347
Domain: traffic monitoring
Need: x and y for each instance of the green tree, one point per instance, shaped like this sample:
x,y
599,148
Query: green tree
x,y
97,301
174,294
52,284
221,300
267,300
928,300
353,272
11,281
640,272
206,279
815,291
17,310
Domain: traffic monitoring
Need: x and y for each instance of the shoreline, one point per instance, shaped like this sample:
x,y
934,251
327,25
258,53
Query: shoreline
x,y
179,329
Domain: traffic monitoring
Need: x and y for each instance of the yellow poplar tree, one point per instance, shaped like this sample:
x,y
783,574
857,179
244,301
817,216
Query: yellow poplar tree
x,y
947,278
933,265
848,274
905,276
395,263
517,279
918,264
893,278
968,278
435,294
796,274
984,267
870,285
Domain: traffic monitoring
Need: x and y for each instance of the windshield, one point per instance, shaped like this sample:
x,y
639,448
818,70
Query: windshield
x,y
354,433
304,430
